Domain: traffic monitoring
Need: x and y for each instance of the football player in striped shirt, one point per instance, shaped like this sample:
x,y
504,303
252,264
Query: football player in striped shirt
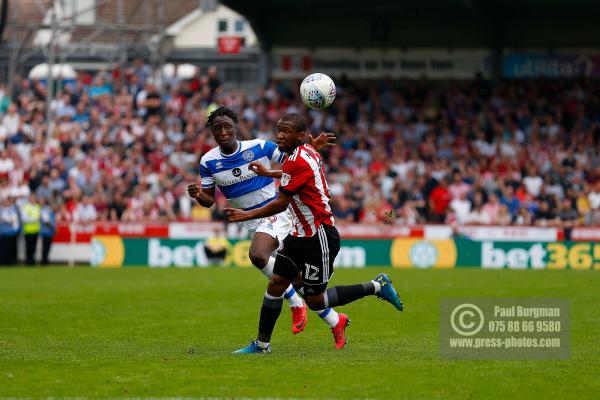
x,y
227,167
310,248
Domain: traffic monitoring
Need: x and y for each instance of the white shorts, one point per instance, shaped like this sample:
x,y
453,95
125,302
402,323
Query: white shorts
x,y
277,226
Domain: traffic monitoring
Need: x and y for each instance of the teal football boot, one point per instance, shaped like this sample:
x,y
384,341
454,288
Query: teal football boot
x,y
387,292
253,348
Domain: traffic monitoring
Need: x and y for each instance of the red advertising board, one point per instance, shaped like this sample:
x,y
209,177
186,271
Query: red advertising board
x,y
82,233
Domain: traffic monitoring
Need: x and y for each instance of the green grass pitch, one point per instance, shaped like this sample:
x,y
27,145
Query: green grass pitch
x,y
153,333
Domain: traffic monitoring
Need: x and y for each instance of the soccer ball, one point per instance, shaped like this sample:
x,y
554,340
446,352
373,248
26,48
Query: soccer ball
x,y
317,91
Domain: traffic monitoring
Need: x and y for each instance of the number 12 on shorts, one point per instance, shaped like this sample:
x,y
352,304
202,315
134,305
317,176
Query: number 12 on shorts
x,y
311,272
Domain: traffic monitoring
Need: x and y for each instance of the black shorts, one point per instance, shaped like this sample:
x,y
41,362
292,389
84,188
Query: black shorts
x,y
310,256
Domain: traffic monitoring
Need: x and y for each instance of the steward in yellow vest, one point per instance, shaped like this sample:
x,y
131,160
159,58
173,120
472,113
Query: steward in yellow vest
x,y
31,215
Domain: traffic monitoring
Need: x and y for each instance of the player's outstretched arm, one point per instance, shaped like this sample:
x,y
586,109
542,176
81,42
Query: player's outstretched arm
x,y
274,207
322,141
261,170
204,197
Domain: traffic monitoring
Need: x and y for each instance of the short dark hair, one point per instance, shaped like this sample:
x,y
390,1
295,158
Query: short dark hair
x,y
297,120
220,112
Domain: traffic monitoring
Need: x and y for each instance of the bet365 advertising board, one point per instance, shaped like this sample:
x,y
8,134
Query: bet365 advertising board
x,y
112,251
488,254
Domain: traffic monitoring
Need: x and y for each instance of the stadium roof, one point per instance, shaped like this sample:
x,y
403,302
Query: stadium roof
x,y
423,23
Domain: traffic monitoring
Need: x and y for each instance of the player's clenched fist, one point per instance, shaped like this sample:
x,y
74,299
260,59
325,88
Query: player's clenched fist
x,y
258,168
205,197
194,190
235,214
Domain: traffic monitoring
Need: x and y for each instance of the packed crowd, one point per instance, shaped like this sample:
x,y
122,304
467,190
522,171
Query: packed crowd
x,y
408,152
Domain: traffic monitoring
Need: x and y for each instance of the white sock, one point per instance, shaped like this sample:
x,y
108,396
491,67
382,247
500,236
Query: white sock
x,y
377,286
292,297
268,269
262,345
330,316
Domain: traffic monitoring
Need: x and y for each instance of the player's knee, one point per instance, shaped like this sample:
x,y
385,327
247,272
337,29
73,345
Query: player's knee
x,y
279,281
259,260
315,303
277,285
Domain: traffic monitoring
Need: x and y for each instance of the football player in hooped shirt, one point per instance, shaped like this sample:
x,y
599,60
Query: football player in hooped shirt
x,y
311,247
228,167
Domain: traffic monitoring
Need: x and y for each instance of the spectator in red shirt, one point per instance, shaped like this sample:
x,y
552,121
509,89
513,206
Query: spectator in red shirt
x,y
439,199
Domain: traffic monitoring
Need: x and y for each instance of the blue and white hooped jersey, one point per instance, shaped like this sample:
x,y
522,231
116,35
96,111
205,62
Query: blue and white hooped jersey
x,y
230,172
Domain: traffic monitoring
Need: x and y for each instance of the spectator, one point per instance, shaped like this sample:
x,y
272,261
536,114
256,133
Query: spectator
x,y
510,200
11,120
569,218
43,191
56,184
116,207
213,80
594,197
492,208
148,101
524,217
47,229
477,217
64,107
504,216
152,101
544,216
407,215
6,164
342,211
86,210
533,182
583,206
439,199
141,70
63,214
461,207
99,88
9,231
458,188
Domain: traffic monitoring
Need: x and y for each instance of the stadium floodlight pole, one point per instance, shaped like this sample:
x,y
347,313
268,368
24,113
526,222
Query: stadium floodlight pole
x,y
14,53
50,80
161,41
63,54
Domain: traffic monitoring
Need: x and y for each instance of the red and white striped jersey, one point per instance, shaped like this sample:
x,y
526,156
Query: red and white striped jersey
x,y
303,178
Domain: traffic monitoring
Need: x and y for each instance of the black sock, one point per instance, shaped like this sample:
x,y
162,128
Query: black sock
x,y
269,313
341,295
